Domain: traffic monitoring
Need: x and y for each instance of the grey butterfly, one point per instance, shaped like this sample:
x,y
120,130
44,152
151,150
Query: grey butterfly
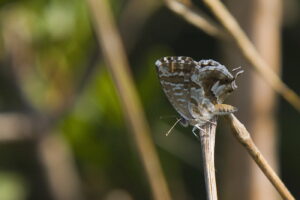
x,y
196,90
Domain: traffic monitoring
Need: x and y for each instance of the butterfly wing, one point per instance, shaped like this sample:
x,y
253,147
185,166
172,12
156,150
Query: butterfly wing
x,y
174,75
216,80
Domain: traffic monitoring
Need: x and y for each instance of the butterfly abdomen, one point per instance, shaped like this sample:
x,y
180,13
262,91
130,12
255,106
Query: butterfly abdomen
x,y
224,109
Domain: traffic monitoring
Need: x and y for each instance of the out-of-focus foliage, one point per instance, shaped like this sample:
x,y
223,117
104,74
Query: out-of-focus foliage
x,y
12,187
48,44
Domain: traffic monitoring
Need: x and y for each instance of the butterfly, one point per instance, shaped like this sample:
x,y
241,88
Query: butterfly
x,y
196,90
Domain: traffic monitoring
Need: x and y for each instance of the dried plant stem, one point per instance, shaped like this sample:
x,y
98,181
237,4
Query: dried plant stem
x,y
117,62
243,136
250,53
196,17
203,22
59,167
207,138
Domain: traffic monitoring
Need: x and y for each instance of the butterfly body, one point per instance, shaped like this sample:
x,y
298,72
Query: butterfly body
x,y
196,89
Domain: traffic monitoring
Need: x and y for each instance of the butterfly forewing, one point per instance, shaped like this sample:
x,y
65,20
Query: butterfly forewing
x,y
174,75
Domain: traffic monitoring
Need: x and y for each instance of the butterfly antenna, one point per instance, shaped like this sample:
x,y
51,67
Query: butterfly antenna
x,y
234,86
238,73
169,131
237,68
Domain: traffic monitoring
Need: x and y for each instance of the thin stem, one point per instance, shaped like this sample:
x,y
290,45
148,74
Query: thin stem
x,y
250,53
243,136
117,63
203,22
207,138
196,18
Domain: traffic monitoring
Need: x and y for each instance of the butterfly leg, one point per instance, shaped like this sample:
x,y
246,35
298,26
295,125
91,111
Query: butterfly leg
x,y
195,133
213,123
196,128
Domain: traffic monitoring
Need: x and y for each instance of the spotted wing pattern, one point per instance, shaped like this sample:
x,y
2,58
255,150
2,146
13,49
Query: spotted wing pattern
x,y
175,77
196,89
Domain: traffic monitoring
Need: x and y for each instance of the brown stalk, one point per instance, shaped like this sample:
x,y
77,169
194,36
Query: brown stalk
x,y
250,52
113,51
243,136
207,139
201,21
196,18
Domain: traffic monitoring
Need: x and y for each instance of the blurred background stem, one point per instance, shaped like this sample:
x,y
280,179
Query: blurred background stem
x,y
261,20
118,65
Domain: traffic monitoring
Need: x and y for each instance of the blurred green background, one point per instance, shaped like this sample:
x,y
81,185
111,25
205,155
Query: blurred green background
x,y
54,78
